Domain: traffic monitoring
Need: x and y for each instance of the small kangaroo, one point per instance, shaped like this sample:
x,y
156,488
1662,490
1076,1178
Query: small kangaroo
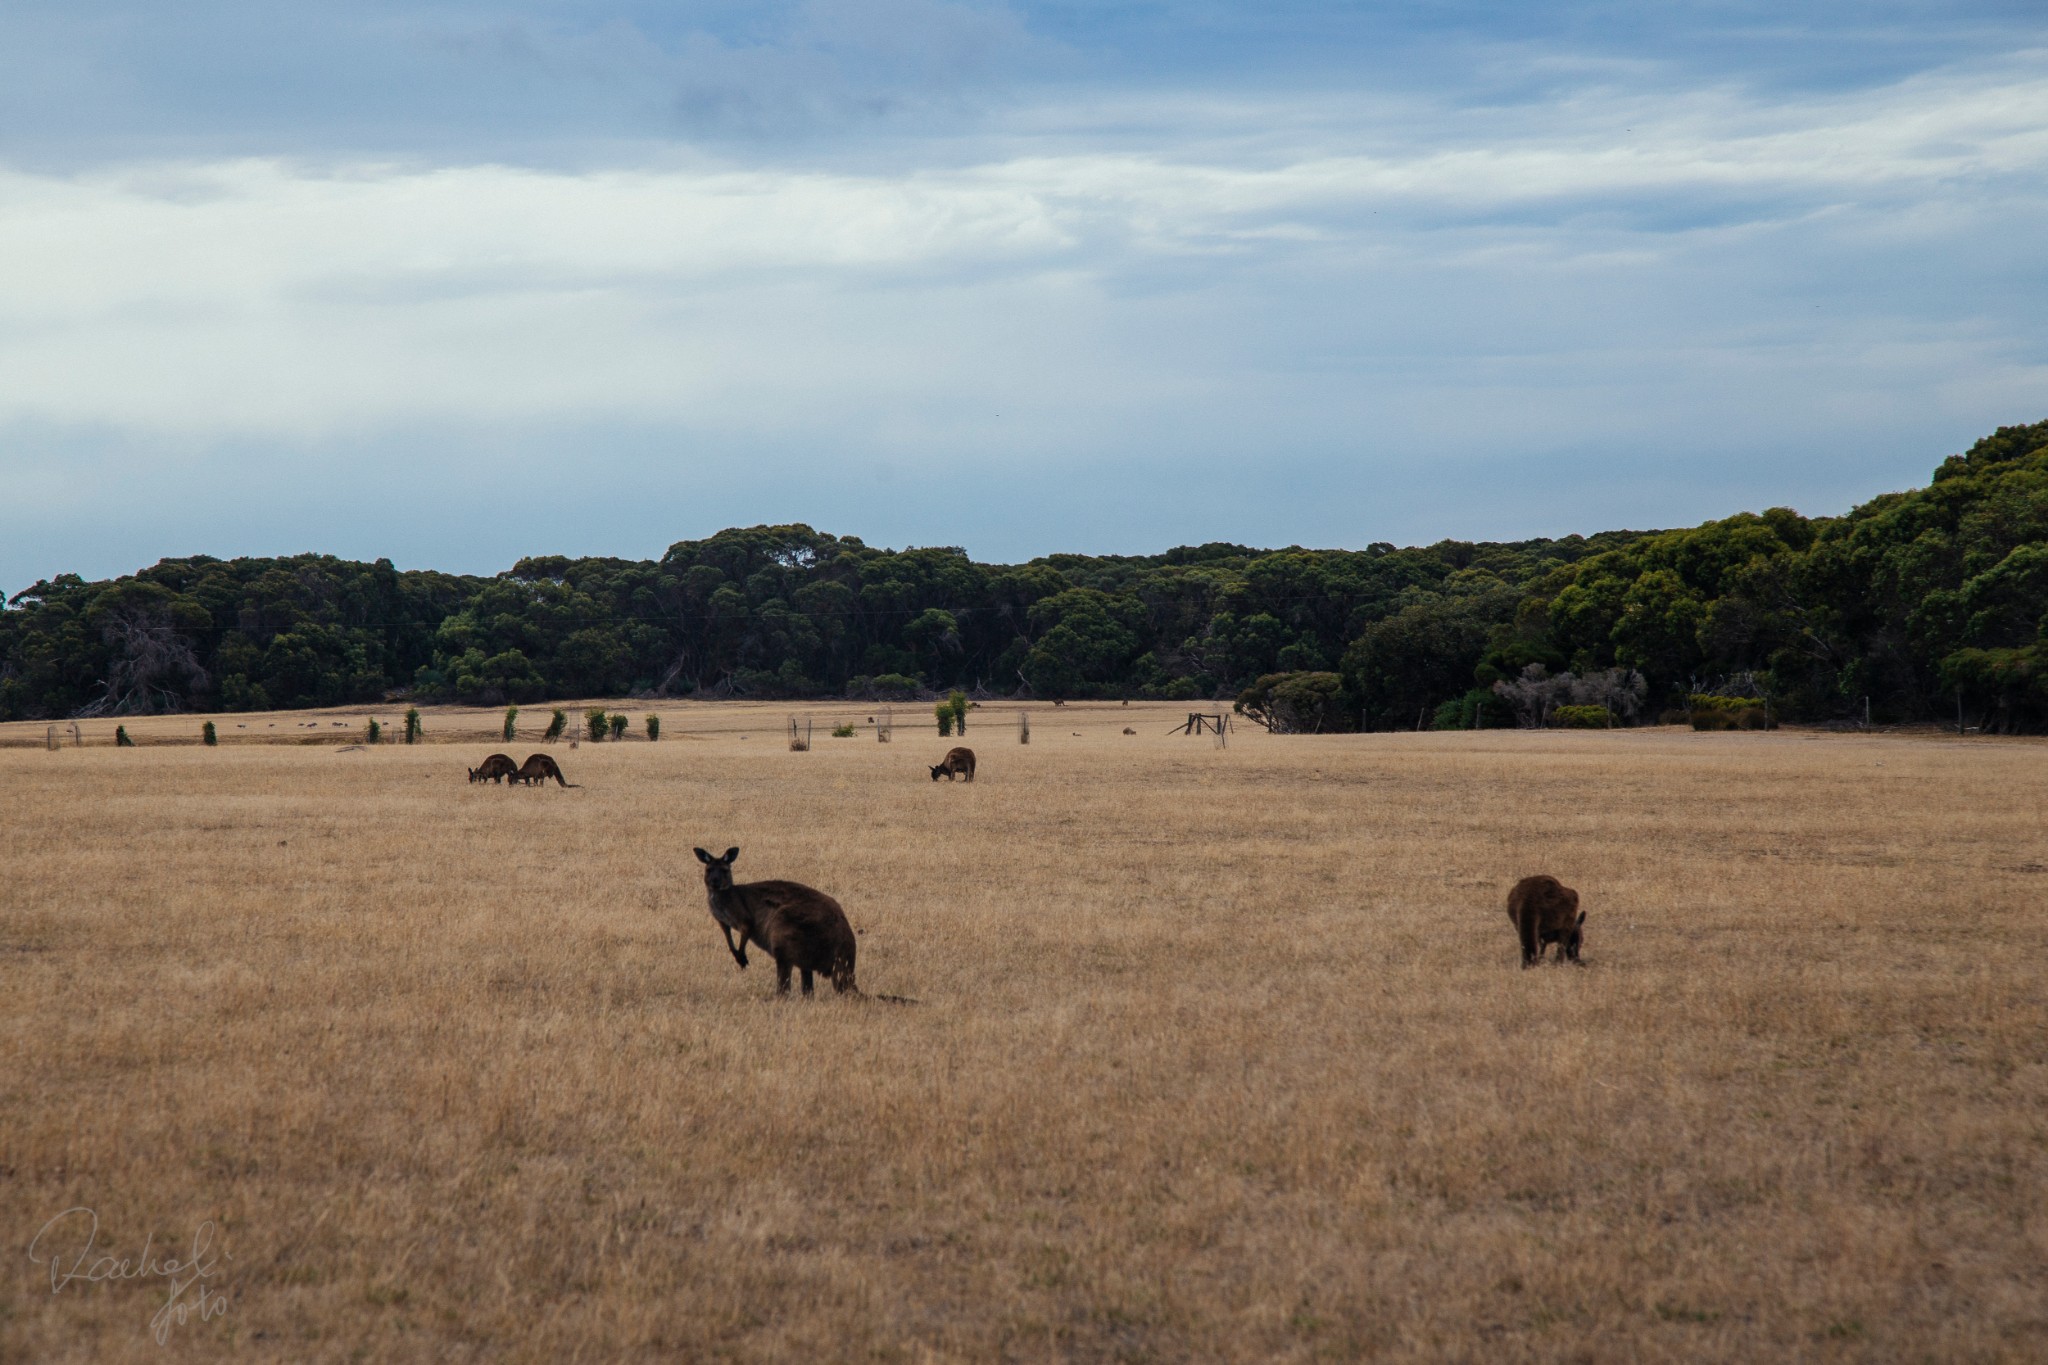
x,y
797,926
539,768
959,761
1546,911
496,768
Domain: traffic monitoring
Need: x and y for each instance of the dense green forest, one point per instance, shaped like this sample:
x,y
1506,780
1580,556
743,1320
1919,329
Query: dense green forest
x,y
1915,601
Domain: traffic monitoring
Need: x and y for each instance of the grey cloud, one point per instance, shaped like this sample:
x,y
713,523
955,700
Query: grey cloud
x,y
745,261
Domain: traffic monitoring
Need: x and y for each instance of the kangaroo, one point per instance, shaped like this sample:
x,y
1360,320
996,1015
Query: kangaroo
x,y
539,768
797,926
1546,911
496,768
959,761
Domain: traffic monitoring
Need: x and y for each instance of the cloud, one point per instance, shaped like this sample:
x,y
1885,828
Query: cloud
x,y
512,80
264,296
1537,287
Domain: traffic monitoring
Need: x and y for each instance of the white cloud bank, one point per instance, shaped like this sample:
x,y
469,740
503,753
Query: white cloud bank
x,y
1410,319
266,298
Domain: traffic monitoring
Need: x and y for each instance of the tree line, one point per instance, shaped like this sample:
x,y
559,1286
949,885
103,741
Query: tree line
x,y
1912,604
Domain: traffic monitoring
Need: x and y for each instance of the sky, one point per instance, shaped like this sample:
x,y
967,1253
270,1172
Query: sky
x,y
460,282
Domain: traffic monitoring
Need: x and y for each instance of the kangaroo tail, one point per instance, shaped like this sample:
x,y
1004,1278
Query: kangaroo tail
x,y
567,784
847,987
860,994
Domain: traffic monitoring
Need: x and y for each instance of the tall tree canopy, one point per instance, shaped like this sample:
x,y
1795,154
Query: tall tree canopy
x,y
1914,600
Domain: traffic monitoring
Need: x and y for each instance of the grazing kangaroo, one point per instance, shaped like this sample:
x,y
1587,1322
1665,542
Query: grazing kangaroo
x,y
959,761
1546,911
797,926
539,768
496,768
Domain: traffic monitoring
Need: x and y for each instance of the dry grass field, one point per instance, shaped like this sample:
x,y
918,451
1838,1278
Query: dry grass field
x,y
1223,1054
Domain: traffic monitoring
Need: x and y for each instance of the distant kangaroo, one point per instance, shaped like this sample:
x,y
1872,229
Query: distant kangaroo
x,y
539,768
797,926
959,761
1546,911
496,768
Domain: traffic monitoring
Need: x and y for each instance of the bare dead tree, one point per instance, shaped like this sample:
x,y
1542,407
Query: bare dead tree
x,y
673,675
152,669
1538,692
1620,690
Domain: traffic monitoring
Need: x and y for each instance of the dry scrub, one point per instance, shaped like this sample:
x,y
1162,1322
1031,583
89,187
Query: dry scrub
x,y
1224,1052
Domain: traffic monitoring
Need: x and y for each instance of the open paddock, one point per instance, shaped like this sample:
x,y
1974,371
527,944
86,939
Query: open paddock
x,y
1223,1052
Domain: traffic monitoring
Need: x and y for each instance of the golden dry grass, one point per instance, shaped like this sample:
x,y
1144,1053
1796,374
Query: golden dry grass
x,y
1222,1055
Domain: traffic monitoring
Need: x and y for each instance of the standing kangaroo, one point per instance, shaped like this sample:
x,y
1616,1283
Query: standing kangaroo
x,y
1546,911
799,927
539,768
959,761
496,768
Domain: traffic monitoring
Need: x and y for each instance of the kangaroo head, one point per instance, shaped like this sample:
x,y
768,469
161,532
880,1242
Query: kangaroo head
x,y
1575,937
472,774
718,871
938,772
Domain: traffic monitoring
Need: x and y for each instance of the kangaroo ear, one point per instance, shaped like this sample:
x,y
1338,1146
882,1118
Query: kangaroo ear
x,y
1582,917
702,856
731,854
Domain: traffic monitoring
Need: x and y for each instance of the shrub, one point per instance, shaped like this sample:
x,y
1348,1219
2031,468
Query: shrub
x,y
1582,717
1537,693
1299,704
596,722
958,701
1749,715
843,731
1707,701
944,711
511,721
412,725
557,724
121,740
653,728
884,687
1478,709
1676,716
207,735
618,724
